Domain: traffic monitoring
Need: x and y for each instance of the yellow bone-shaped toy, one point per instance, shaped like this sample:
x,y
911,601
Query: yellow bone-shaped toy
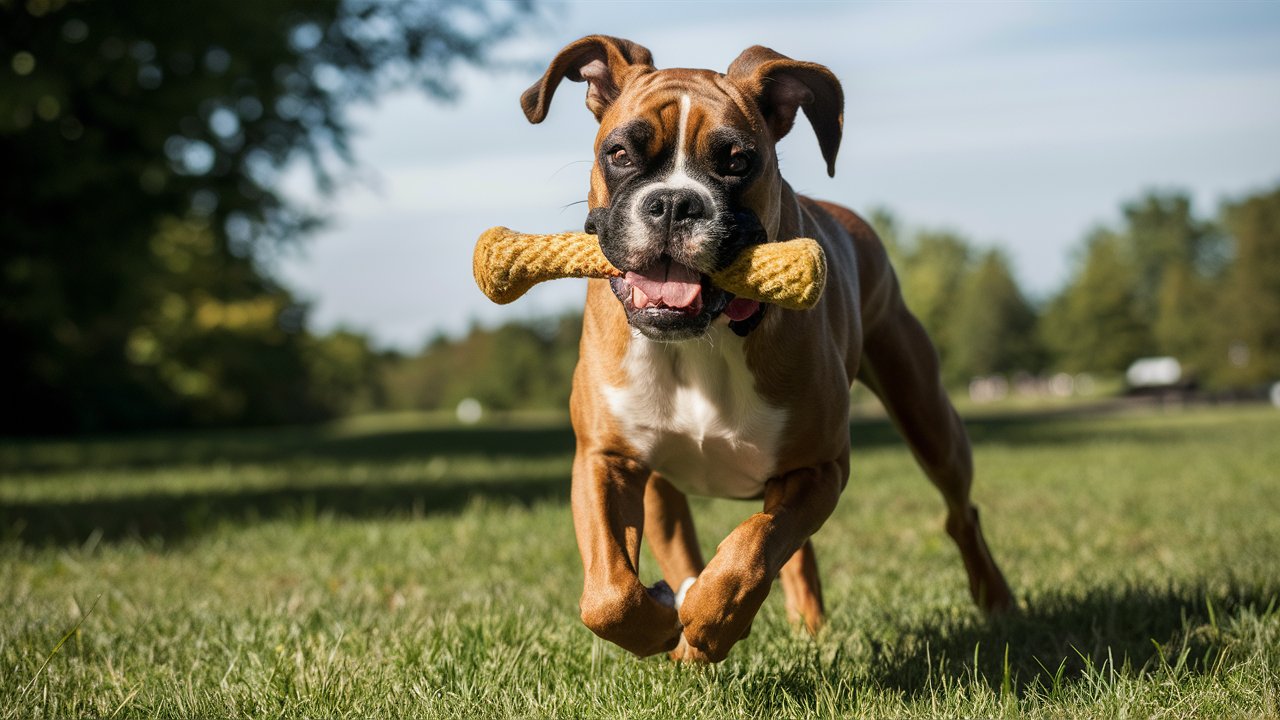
x,y
507,263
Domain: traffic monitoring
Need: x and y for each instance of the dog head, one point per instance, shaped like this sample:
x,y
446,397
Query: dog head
x,y
685,174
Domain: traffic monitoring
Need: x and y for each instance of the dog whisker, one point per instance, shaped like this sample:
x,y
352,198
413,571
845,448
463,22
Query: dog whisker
x,y
565,166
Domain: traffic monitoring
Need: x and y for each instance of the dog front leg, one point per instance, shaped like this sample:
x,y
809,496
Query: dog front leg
x,y
720,606
608,519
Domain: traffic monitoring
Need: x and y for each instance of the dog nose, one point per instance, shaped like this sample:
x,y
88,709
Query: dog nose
x,y
672,208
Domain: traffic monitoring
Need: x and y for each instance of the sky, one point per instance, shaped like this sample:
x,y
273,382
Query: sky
x,y
1020,125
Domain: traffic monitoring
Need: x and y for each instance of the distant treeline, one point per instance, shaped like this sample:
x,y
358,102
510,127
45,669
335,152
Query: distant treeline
x,y
1164,282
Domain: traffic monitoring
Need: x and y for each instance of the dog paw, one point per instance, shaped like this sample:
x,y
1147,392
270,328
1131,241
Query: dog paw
x,y
686,653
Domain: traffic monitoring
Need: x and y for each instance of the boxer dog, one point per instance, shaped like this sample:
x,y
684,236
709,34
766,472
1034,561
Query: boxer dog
x,y
681,388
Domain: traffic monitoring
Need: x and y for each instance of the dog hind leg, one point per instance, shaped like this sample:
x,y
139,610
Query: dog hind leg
x,y
900,366
803,589
670,533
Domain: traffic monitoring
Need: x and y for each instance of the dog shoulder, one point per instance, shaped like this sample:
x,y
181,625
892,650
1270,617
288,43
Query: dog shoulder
x,y
877,283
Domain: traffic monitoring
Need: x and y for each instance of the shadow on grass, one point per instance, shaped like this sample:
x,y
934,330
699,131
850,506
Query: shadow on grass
x,y
1063,641
175,517
1064,638
139,452
266,445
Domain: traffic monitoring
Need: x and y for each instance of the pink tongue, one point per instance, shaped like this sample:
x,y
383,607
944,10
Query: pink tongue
x,y
741,308
671,284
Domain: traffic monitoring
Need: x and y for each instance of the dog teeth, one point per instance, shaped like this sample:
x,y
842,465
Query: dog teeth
x,y
639,300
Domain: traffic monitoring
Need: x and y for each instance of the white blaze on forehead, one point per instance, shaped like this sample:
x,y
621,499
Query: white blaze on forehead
x,y
679,178
682,130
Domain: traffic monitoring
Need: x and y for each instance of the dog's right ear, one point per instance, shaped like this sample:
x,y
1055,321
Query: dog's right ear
x,y
605,63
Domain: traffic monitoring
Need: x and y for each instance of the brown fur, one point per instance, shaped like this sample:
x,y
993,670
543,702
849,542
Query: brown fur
x,y
803,362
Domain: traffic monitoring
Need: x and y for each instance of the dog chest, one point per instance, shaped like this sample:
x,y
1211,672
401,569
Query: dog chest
x,y
692,412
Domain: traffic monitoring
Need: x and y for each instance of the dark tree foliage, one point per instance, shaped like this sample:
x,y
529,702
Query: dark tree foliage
x,y
141,143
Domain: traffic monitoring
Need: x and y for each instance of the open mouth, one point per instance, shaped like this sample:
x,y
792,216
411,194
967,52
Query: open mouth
x,y
669,300
666,285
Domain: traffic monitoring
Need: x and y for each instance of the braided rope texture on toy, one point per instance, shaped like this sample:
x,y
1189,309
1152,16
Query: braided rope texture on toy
x,y
507,263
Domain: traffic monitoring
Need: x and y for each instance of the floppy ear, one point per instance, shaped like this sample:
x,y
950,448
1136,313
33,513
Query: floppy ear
x,y
781,86
605,63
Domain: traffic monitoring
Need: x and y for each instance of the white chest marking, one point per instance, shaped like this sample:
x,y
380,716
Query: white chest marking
x,y
692,412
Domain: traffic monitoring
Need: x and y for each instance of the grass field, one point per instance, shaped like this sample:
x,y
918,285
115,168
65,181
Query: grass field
x,y
416,569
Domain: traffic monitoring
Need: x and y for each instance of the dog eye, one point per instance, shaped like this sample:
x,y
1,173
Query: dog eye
x,y
737,163
619,157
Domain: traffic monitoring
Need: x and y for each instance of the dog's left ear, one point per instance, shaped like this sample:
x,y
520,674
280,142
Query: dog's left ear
x,y
781,86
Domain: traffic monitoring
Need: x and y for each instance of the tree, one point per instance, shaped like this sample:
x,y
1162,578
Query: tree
x,y
1143,289
142,145
1162,235
1184,317
1095,325
932,270
1245,338
1176,257
992,326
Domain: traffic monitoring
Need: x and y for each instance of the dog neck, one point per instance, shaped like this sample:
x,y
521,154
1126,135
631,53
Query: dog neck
x,y
790,217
